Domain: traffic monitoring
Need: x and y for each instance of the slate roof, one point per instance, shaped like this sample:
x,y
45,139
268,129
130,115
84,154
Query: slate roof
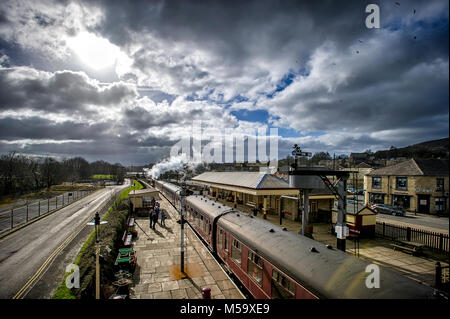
x,y
414,167
253,180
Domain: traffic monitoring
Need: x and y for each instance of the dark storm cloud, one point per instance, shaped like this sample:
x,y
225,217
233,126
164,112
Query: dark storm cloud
x,y
140,118
63,91
360,88
40,128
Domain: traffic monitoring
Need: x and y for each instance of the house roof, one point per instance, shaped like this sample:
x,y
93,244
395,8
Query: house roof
x,y
253,180
415,167
363,165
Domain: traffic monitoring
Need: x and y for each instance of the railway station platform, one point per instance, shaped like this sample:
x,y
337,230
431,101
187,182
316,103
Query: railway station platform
x,y
157,274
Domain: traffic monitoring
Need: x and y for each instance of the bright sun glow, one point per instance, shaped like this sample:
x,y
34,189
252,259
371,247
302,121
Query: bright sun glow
x,y
95,52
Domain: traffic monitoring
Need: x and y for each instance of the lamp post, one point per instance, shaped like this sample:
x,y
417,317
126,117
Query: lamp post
x,y
97,223
183,208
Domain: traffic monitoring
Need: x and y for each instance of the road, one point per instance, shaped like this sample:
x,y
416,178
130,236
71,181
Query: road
x,y
422,221
24,252
35,209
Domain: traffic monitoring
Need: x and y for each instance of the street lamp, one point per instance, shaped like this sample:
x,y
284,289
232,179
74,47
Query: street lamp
x,y
97,222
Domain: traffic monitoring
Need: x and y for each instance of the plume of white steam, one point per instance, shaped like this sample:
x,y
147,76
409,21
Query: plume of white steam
x,y
172,163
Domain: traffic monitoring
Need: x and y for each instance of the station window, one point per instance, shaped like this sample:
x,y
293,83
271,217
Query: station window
x,y
376,182
401,183
255,265
282,287
220,239
236,251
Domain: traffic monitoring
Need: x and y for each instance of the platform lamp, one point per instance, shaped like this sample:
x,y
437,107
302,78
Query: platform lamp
x,y
97,222
183,208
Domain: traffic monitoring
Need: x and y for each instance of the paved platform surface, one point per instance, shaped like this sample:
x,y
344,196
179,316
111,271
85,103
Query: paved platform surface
x,y
157,274
377,250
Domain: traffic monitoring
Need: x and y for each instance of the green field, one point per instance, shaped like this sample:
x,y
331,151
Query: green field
x,y
99,176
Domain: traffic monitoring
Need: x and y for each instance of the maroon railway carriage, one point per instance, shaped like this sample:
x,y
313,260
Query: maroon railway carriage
x,y
274,263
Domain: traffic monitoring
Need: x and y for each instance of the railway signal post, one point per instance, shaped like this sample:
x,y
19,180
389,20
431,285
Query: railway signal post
x,y
97,224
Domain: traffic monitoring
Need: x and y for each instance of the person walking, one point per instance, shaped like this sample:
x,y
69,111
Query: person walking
x,y
150,216
155,219
157,212
163,217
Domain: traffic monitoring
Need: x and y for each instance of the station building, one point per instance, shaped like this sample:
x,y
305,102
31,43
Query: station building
x,y
142,198
266,191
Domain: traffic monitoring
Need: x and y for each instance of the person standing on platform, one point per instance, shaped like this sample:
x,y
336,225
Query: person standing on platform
x,y
163,217
255,211
157,212
154,218
150,216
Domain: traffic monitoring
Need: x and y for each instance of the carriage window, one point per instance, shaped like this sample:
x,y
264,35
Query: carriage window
x,y
236,251
282,287
225,242
255,265
209,229
220,238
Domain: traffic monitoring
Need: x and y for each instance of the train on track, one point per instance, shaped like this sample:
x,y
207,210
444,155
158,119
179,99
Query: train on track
x,y
272,262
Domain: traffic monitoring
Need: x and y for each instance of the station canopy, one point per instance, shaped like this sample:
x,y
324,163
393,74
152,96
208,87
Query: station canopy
x,y
255,183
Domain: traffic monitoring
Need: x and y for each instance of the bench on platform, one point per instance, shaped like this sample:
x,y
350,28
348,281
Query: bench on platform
x,y
409,247
126,239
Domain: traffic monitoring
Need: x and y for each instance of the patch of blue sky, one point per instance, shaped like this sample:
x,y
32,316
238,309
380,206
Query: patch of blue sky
x,y
290,132
287,80
260,116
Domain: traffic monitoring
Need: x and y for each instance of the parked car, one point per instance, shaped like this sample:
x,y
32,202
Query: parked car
x,y
386,209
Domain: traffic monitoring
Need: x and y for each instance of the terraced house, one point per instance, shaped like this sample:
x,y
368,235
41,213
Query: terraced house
x,y
417,185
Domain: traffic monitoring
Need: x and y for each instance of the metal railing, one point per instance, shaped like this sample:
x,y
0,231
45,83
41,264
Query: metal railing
x,y
433,240
17,216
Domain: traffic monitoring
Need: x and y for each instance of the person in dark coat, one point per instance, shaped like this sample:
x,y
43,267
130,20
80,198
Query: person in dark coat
x,y
163,218
157,212
154,218
255,211
150,216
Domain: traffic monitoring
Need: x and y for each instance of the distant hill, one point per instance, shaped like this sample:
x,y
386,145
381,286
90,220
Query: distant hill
x,y
430,149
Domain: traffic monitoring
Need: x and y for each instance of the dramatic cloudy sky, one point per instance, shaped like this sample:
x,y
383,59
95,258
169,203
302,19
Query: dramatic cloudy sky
x,y
124,80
